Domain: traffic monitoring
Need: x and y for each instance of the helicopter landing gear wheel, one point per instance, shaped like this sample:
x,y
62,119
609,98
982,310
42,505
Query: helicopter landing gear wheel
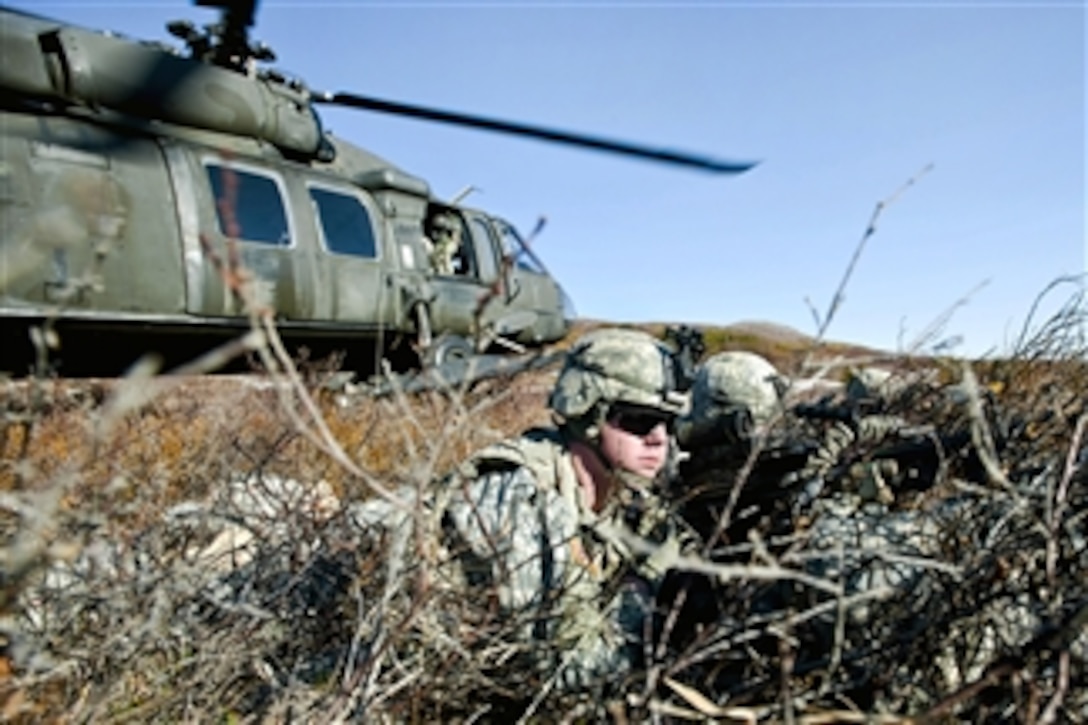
x,y
452,353
449,348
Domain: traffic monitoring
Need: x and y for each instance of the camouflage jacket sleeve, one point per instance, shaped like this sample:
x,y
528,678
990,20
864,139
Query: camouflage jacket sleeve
x,y
510,535
523,542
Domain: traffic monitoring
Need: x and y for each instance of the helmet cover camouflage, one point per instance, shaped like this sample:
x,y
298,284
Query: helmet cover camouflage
x,y
736,380
615,365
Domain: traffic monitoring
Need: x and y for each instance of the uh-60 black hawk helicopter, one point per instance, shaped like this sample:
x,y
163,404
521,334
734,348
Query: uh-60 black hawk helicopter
x,y
134,174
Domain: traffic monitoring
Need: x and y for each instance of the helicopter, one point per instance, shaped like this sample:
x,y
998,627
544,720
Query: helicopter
x,y
161,193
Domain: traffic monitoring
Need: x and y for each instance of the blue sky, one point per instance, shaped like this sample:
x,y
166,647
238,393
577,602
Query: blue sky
x,y
841,103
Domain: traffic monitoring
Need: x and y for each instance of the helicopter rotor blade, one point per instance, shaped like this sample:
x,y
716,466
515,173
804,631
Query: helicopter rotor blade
x,y
661,155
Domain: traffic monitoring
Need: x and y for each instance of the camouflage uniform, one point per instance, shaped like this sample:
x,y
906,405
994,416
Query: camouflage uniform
x,y
445,241
523,528
857,534
734,399
856,511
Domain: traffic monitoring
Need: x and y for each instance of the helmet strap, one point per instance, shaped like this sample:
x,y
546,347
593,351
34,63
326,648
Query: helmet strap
x,y
587,428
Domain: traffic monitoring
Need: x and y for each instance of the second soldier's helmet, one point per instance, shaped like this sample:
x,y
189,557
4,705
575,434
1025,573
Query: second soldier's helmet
x,y
616,365
739,381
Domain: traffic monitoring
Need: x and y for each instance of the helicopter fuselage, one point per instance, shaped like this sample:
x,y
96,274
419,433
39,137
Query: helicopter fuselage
x,y
143,190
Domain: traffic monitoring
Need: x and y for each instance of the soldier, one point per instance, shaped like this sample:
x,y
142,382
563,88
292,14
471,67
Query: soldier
x,y
559,522
734,396
443,242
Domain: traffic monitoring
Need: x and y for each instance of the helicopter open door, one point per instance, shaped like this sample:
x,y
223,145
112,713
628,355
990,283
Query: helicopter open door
x,y
461,291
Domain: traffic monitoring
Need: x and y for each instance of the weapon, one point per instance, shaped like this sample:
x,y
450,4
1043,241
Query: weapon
x,y
849,413
799,464
919,454
689,346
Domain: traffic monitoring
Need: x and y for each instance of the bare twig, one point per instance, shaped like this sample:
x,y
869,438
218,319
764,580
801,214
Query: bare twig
x,y
870,229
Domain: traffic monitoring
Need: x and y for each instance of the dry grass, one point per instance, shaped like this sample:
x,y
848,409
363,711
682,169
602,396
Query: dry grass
x,y
102,481
186,549
113,493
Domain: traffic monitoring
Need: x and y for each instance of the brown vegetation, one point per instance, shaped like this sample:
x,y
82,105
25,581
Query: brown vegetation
x,y
316,628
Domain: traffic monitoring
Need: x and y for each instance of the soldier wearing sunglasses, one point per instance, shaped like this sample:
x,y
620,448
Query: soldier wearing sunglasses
x,y
565,523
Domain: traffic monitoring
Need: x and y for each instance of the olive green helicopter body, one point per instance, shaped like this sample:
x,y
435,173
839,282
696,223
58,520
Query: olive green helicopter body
x,y
176,193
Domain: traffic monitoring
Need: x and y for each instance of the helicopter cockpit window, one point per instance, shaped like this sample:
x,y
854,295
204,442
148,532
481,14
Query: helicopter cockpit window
x,y
345,223
249,206
513,246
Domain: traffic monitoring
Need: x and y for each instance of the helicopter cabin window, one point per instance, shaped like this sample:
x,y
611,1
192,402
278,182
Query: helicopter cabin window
x,y
345,223
249,206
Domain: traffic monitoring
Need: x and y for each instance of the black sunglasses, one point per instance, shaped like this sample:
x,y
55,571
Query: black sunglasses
x,y
639,421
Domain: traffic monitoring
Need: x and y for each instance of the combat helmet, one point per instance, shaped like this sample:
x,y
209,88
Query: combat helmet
x,y
739,381
616,365
443,222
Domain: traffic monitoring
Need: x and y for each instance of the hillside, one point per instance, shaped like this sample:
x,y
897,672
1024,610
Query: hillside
x,y
782,345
